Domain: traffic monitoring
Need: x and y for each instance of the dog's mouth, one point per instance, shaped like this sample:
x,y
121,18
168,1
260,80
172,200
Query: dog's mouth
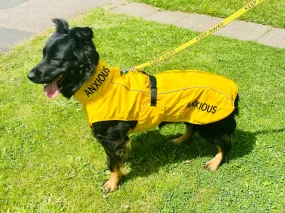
x,y
52,89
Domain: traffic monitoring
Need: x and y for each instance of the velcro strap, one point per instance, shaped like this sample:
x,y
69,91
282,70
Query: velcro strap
x,y
153,90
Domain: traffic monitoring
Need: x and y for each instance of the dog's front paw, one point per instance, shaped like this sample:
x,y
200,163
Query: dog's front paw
x,y
110,186
212,165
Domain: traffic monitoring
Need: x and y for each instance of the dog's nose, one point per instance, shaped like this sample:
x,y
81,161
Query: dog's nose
x,y
31,76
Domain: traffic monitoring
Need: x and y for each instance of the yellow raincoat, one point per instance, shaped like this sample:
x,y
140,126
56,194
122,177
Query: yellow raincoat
x,y
182,96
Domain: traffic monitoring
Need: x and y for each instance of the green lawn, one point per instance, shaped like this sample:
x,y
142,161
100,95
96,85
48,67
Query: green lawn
x,y
269,12
49,162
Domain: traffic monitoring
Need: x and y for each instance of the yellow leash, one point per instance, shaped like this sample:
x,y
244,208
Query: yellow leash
x,y
223,23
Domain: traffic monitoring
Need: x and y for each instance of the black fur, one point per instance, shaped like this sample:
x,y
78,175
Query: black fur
x,y
113,136
72,54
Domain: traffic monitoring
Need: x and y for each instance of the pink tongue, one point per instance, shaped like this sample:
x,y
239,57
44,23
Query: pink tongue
x,y
51,89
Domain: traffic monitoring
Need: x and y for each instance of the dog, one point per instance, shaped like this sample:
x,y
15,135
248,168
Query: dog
x,y
72,66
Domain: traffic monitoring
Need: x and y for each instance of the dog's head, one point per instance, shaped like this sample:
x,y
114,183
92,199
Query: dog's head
x,y
69,59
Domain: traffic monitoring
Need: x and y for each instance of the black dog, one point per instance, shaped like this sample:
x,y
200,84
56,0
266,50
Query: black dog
x,y
70,59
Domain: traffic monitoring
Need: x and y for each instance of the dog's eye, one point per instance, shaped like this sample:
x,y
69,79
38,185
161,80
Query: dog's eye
x,y
54,60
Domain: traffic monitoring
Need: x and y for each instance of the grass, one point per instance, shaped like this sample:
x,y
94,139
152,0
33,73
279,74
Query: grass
x,y
268,12
49,162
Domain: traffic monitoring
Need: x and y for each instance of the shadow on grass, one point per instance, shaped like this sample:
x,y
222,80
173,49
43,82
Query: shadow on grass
x,y
152,150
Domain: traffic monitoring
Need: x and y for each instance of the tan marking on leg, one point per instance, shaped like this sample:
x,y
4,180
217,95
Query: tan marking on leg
x,y
214,164
128,145
189,132
113,183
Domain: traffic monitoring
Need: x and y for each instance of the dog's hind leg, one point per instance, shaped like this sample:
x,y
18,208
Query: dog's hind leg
x,y
224,147
189,132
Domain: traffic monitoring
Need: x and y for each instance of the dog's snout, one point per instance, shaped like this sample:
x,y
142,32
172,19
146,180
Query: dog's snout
x,y
31,76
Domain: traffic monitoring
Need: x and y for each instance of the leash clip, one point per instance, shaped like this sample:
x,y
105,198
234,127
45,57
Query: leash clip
x,y
125,71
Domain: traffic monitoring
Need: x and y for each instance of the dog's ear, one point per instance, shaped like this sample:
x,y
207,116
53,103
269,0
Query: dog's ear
x,y
84,48
81,33
61,26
